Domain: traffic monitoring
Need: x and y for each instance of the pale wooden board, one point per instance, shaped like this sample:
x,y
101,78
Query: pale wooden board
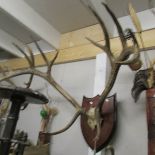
x,y
78,37
81,51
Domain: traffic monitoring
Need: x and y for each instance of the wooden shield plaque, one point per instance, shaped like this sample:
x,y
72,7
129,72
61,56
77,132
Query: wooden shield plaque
x,y
108,123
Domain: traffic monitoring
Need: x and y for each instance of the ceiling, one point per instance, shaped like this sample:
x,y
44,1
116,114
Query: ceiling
x,y
5,54
69,15
16,29
64,15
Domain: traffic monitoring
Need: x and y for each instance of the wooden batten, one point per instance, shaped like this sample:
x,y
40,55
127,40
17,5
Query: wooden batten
x,y
78,37
75,47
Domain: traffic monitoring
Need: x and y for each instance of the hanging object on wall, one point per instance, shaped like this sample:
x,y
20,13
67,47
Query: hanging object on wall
x,y
141,83
145,80
103,111
108,122
47,113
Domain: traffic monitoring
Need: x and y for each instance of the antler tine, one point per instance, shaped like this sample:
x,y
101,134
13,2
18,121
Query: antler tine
x,y
135,57
48,78
76,115
31,55
28,84
105,32
30,61
19,72
26,56
52,62
126,51
111,80
96,44
42,53
119,28
106,47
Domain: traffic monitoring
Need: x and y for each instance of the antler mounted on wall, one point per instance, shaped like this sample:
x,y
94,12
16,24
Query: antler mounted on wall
x,y
115,61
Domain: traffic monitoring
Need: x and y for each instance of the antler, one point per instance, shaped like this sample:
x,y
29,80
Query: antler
x,y
45,75
33,71
116,61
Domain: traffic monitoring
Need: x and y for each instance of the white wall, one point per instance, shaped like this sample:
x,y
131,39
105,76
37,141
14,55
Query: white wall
x,y
131,133
78,79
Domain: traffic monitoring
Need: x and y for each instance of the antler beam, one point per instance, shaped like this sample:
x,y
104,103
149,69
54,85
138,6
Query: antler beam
x,y
115,60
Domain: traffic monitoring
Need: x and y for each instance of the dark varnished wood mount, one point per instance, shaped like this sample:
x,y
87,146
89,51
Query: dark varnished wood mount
x,y
108,124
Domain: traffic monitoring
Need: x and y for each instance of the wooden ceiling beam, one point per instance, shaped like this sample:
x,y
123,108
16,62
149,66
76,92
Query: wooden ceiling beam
x,y
74,47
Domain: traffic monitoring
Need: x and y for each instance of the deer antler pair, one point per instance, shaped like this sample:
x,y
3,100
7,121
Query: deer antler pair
x,y
33,71
116,62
